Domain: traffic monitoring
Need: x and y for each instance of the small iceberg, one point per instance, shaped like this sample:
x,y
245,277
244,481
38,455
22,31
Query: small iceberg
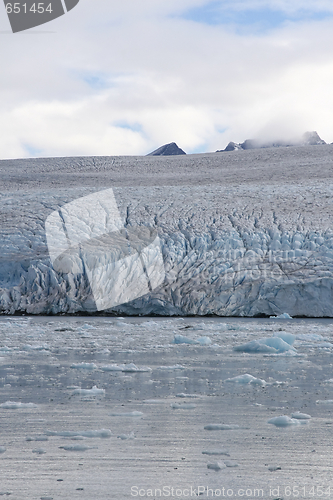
x,y
220,427
102,433
128,414
283,421
300,416
280,343
181,339
127,368
282,316
126,436
2,449
39,451
84,366
231,463
178,406
13,405
217,452
77,447
89,392
216,466
247,379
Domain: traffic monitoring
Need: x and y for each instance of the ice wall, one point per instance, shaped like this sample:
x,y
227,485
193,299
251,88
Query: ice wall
x,y
228,251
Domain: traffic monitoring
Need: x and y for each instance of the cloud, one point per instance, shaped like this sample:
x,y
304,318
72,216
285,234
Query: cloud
x,y
126,77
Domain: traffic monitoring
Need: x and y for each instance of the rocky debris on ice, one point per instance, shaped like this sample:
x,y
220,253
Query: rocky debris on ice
x,y
221,427
181,339
216,452
308,139
89,392
170,149
13,405
247,379
127,368
102,433
84,366
283,421
280,343
216,466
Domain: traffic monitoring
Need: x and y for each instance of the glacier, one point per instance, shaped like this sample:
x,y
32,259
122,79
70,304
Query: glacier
x,y
240,235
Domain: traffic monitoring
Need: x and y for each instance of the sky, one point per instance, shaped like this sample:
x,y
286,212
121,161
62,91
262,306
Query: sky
x,y
123,78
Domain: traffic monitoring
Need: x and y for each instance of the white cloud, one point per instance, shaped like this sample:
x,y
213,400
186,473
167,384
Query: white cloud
x,y
71,92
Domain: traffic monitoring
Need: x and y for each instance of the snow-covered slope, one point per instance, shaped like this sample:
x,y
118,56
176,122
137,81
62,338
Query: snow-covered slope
x,y
243,234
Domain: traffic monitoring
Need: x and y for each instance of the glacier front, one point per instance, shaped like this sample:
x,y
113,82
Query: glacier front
x,y
244,234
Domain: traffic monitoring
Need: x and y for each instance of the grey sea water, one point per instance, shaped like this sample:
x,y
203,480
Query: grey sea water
x,y
104,407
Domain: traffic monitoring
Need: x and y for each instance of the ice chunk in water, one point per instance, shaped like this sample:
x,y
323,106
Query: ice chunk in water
x,y
273,345
283,421
13,405
247,379
300,416
216,466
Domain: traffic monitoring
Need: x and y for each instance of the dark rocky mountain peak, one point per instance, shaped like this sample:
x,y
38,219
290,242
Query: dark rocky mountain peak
x,y
167,150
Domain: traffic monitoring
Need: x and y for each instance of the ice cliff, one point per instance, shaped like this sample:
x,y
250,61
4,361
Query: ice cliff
x,y
236,239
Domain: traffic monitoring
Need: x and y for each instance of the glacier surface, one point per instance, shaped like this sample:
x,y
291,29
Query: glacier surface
x,y
241,235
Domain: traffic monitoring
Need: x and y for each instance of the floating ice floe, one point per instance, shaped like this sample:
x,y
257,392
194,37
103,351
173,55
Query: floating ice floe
x,y
181,339
13,405
282,316
178,406
280,343
273,468
129,368
37,438
217,452
247,379
231,463
39,451
89,392
324,401
102,433
216,466
300,416
2,449
184,395
128,414
84,366
126,436
77,447
283,421
172,367
220,427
